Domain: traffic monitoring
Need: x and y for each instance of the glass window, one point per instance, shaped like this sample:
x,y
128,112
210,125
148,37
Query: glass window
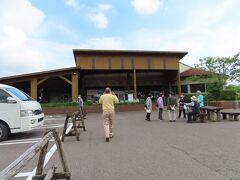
x,y
3,96
184,89
21,95
197,87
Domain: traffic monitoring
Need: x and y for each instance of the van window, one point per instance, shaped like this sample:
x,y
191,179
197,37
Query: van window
x,y
3,96
21,95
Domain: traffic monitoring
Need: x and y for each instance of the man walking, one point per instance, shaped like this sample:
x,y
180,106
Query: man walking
x,y
108,99
171,107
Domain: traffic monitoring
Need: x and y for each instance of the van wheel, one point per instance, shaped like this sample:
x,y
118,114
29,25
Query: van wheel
x,y
4,132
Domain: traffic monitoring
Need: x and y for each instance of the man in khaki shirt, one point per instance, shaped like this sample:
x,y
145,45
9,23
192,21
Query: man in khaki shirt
x,y
108,99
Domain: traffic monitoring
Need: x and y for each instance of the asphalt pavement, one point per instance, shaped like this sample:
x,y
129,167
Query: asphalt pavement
x,y
155,150
145,150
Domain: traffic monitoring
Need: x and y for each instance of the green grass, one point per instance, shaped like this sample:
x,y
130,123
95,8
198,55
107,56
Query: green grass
x,y
72,104
67,104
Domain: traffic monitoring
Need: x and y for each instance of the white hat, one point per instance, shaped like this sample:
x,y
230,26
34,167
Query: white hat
x,y
193,98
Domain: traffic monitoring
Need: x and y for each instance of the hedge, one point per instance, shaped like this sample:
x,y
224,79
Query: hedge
x,y
228,95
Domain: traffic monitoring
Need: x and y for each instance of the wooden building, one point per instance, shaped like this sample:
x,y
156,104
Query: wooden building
x,y
139,72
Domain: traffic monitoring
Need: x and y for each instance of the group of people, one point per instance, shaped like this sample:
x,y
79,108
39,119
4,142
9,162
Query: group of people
x,y
108,99
190,109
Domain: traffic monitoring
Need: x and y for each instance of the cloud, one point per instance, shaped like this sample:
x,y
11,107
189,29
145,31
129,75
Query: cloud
x,y
148,7
22,48
27,21
104,7
200,43
107,43
210,14
202,33
99,17
72,3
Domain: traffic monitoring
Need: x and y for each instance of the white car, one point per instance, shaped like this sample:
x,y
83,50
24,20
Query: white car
x,y
18,112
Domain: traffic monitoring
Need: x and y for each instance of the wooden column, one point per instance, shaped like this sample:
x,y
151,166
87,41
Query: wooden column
x,y
188,88
135,82
34,88
74,85
179,83
128,81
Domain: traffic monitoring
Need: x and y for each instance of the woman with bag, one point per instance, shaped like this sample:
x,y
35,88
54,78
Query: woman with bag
x,y
148,107
182,107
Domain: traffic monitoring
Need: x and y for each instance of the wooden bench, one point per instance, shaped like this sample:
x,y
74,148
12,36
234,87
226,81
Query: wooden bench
x,y
233,114
201,117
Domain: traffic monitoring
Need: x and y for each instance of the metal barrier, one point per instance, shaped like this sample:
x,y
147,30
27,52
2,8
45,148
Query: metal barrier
x,y
11,171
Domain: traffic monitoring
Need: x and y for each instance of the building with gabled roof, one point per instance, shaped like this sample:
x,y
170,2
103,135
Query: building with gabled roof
x,y
125,71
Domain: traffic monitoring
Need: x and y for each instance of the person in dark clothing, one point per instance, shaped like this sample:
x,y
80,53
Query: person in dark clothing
x,y
195,109
181,106
160,106
171,107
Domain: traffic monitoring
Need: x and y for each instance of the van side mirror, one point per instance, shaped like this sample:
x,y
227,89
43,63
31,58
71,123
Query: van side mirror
x,y
11,100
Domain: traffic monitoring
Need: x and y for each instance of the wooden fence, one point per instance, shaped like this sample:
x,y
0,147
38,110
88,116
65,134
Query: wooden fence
x,y
14,168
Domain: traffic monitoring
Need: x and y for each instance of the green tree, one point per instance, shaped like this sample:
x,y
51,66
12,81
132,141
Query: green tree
x,y
214,90
222,68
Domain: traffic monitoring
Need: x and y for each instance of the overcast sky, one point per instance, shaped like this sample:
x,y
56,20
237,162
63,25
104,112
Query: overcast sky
x,y
38,35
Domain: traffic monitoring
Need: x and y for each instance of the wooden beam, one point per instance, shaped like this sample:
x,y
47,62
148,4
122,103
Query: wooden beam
x,y
135,82
15,167
65,79
61,152
58,175
42,80
50,173
41,160
179,83
33,89
74,86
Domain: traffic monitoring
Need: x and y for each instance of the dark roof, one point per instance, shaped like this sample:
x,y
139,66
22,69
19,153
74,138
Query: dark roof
x,y
127,52
39,73
194,72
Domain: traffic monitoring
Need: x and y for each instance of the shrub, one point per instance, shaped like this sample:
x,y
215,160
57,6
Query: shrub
x,y
214,89
88,103
59,104
188,97
228,95
234,88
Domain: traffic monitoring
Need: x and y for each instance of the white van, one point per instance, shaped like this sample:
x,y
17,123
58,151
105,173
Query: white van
x,y
18,112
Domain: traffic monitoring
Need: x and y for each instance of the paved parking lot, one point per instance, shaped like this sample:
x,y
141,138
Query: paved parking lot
x,y
147,150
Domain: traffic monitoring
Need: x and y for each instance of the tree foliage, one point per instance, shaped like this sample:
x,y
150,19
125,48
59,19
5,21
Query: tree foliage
x,y
223,68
